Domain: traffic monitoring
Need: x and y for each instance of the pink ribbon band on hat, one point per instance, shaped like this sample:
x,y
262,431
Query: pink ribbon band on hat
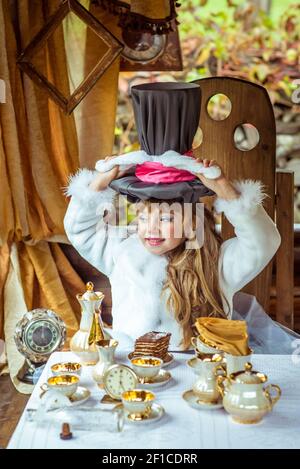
x,y
173,167
157,173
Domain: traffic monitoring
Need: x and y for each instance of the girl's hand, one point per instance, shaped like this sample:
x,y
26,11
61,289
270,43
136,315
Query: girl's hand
x,y
102,180
221,185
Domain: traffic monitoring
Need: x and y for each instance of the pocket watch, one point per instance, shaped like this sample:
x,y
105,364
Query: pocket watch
x,y
118,379
39,333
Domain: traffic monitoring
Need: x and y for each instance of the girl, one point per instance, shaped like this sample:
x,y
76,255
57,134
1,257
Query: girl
x,y
157,281
158,284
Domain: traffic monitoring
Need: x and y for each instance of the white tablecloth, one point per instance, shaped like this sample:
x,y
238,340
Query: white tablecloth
x,y
181,426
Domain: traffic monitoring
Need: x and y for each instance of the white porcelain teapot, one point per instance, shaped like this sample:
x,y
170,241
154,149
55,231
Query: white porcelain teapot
x,y
244,396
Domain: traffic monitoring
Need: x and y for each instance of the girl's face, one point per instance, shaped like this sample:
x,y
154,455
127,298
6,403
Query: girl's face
x,y
159,229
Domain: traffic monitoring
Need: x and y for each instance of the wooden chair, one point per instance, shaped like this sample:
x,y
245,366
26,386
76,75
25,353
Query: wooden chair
x,y
250,103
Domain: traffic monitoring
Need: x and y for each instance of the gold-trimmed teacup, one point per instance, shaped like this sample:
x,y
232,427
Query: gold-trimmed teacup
x,y
146,367
66,368
202,345
235,363
66,384
138,403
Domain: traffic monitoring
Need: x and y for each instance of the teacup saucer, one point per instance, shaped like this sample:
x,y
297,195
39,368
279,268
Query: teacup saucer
x,y
58,399
80,395
163,377
193,401
157,411
169,358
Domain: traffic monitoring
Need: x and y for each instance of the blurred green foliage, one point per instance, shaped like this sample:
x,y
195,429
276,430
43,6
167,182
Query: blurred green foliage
x,y
233,38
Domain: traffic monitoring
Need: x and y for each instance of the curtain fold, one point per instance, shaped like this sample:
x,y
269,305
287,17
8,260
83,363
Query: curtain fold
x,y
38,150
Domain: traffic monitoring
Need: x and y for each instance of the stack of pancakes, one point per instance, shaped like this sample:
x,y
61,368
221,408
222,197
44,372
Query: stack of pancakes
x,y
153,343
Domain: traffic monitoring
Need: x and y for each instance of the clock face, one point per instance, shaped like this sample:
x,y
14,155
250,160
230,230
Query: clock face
x,y
118,379
142,47
42,336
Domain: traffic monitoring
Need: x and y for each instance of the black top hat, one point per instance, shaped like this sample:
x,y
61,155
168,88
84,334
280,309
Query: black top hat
x,y
167,118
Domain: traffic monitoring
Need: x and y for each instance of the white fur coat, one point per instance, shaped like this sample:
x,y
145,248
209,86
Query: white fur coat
x,y
136,275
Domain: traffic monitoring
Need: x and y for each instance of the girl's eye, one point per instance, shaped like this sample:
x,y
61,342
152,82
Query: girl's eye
x,y
142,217
167,218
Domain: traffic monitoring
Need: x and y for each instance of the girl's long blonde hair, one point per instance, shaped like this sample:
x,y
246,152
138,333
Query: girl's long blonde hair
x,y
192,277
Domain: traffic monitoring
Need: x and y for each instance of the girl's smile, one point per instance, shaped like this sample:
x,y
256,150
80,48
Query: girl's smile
x,y
154,241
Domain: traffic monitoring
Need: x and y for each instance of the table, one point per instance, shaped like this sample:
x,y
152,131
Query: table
x,y
181,426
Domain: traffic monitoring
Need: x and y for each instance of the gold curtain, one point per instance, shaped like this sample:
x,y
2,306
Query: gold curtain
x,y
39,148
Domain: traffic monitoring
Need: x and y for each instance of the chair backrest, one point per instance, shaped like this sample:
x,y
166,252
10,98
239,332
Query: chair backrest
x,y
250,104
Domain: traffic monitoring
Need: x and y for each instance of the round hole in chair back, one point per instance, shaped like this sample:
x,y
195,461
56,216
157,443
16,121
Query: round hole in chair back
x,y
246,137
198,138
219,107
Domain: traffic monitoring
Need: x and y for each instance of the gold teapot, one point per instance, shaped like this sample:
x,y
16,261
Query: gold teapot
x,y
91,327
244,396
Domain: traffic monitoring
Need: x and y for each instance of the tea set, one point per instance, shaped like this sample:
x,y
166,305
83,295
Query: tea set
x,y
228,381
124,385
222,380
135,397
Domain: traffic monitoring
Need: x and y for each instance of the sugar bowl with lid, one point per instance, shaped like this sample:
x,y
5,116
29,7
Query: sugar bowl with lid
x,y
244,396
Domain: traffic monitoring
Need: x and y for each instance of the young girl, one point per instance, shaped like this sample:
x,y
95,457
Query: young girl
x,y
157,282
151,262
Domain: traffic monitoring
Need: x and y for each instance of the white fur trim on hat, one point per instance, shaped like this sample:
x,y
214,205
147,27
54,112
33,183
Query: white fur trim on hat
x,y
251,195
169,158
79,187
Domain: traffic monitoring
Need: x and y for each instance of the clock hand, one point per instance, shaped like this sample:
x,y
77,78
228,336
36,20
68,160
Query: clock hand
x,y
121,381
123,387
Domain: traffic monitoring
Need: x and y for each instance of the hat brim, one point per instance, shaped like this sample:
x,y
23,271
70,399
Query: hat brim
x,y
135,189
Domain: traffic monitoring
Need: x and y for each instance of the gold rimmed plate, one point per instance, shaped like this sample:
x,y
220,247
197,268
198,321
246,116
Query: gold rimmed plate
x,y
193,401
163,377
169,358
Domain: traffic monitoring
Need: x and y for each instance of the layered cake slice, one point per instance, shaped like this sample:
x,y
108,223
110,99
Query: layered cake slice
x,y
152,343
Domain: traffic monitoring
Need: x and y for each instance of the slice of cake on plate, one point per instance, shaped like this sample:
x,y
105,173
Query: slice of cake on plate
x,y
152,343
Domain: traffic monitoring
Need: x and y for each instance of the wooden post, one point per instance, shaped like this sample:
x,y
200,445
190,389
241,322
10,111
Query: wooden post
x,y
285,254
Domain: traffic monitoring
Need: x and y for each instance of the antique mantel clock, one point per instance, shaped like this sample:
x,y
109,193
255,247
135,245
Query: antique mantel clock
x,y
39,333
